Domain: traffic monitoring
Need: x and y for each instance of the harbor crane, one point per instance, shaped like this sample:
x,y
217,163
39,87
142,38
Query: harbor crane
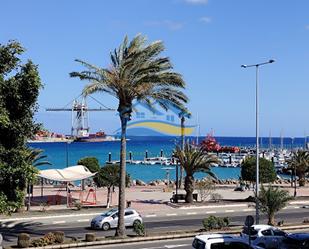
x,y
80,115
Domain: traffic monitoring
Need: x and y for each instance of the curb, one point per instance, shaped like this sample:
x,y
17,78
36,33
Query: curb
x,y
184,234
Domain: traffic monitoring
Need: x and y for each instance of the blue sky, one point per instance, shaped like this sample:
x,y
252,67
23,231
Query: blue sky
x,y
207,42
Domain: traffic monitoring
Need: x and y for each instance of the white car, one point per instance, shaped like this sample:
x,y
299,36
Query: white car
x,y
264,236
221,241
1,239
109,219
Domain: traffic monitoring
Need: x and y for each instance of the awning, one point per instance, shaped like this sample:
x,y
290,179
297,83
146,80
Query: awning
x,y
70,174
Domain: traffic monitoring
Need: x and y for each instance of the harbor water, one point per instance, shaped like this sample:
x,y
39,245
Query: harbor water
x,y
61,154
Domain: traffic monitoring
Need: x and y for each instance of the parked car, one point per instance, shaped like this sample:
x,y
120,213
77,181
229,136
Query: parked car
x,y
1,239
295,241
221,241
109,219
264,236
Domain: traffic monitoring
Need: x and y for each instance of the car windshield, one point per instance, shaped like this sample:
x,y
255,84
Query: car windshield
x,y
109,213
252,231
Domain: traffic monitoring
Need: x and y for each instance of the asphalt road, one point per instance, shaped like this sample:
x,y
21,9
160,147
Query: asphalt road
x,y
153,224
164,244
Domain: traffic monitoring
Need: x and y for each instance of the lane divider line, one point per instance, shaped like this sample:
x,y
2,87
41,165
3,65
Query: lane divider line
x,y
59,222
191,213
248,209
150,215
211,212
229,211
171,214
84,220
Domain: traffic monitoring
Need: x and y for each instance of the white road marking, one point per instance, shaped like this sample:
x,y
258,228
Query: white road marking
x,y
296,207
211,212
150,215
83,220
50,217
175,246
229,211
191,213
59,222
171,214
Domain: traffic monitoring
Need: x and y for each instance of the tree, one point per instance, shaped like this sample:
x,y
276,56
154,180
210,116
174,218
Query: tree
x,y
92,163
108,176
300,162
267,172
193,160
137,72
272,200
19,90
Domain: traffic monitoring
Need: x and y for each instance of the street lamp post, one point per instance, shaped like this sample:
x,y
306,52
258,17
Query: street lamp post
x,y
257,213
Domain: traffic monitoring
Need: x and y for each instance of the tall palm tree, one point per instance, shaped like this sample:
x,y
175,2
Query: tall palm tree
x,y
137,72
193,160
182,115
272,200
300,162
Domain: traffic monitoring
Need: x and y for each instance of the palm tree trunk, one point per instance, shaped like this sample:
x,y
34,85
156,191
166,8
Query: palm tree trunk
x,y
182,125
108,201
271,219
120,231
189,188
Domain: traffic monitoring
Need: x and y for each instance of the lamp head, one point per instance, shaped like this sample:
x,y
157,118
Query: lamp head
x,y
271,61
244,66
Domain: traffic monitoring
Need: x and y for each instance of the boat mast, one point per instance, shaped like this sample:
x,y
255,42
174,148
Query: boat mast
x,y
281,140
270,143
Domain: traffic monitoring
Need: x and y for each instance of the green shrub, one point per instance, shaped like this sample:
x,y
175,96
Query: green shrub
x,y
59,236
23,240
139,228
210,223
90,237
227,221
213,222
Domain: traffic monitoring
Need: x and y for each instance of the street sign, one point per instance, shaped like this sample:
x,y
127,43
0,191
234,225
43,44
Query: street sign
x,y
249,221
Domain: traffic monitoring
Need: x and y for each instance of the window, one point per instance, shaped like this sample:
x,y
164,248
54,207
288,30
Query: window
x,y
237,245
252,231
168,117
198,244
267,232
114,216
278,232
128,213
172,118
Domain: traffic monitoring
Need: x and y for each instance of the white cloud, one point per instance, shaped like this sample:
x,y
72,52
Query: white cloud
x,y
205,19
171,25
196,1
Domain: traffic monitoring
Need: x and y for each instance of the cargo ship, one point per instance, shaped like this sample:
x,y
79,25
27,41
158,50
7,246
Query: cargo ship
x,y
96,137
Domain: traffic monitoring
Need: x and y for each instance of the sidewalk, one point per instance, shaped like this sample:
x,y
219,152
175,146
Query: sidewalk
x,y
148,200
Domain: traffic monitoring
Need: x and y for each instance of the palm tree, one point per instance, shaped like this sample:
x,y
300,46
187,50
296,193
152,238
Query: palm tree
x,y
137,72
182,115
36,159
299,162
272,200
193,160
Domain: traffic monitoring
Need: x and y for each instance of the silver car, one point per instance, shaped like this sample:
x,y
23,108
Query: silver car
x,y
109,219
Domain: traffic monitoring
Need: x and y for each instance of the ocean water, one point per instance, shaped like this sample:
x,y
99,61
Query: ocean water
x,y
58,153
